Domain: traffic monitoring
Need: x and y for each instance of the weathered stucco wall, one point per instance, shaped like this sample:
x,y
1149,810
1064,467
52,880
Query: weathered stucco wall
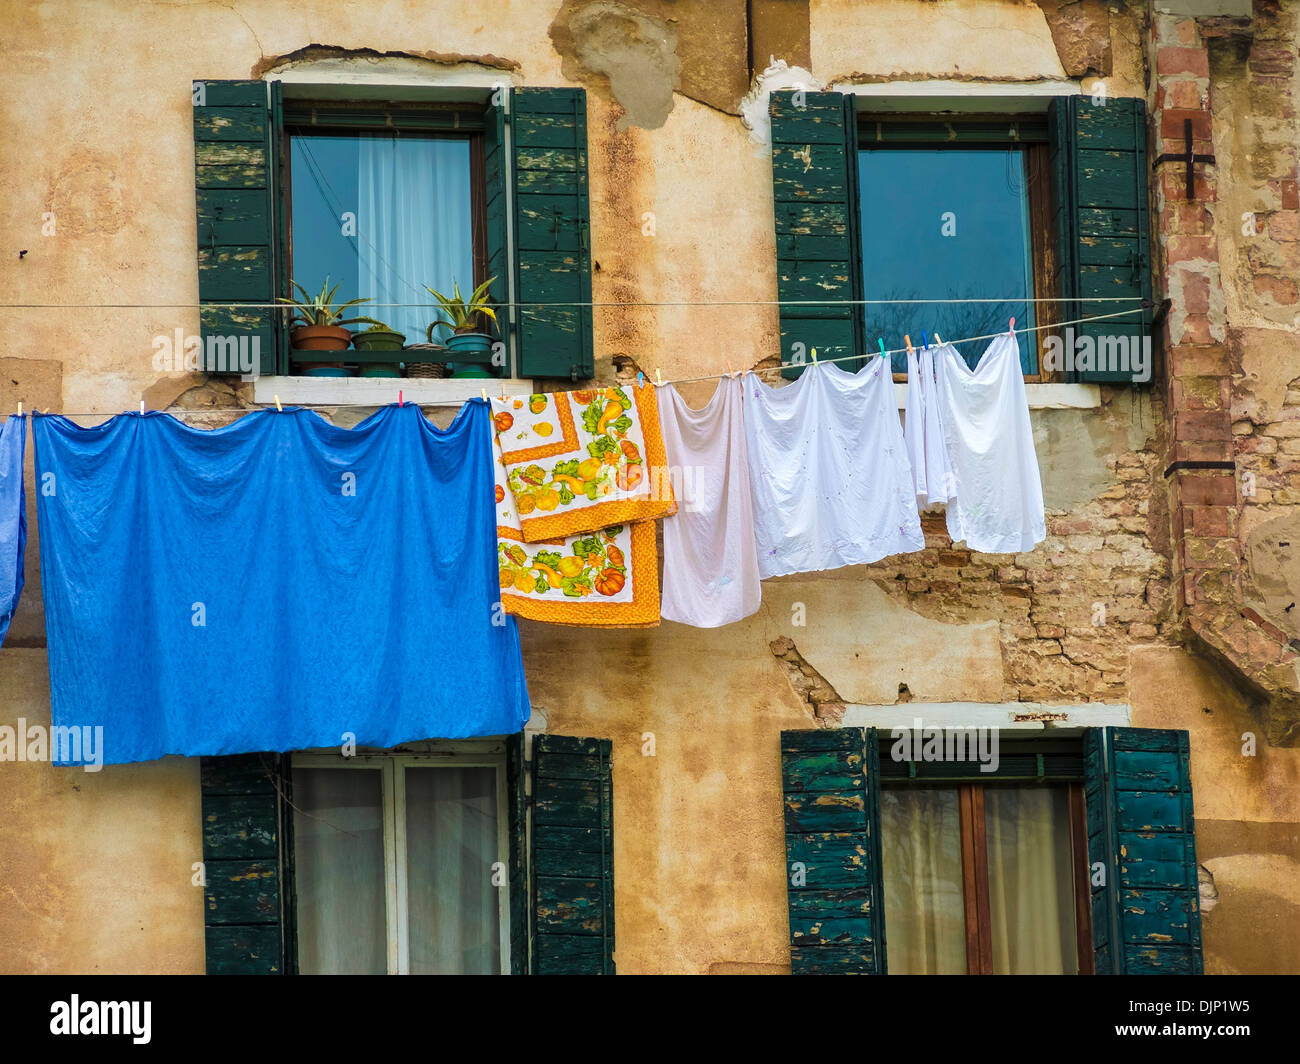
x,y
95,868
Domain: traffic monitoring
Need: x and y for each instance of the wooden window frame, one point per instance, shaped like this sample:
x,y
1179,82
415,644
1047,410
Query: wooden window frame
x,y
966,132
350,118
392,767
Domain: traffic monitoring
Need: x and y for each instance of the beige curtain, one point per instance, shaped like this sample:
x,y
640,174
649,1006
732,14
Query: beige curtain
x,y
924,906
1031,893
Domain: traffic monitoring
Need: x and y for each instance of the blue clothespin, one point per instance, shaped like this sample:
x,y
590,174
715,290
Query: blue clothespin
x,y
925,337
640,378
881,340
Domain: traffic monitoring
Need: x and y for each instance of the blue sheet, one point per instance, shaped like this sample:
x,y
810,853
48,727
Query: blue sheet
x,y
13,518
275,584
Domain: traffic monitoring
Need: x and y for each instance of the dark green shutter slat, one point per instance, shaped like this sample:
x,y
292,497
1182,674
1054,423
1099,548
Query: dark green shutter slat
x,y
818,235
552,232
517,827
1099,167
830,783
1146,916
572,857
235,178
498,196
242,857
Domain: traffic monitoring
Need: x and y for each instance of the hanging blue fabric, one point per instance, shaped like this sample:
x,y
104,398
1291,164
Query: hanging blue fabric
x,y
13,518
277,584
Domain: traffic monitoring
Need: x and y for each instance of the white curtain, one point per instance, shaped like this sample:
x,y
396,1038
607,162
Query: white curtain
x,y
924,903
414,226
339,864
452,843
1031,889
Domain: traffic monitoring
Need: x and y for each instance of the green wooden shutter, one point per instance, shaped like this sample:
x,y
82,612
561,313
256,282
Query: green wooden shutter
x,y
235,182
552,232
1099,166
1146,917
498,198
517,827
818,235
832,845
572,857
243,847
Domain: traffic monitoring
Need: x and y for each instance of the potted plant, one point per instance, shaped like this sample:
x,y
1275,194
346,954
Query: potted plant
x,y
320,327
466,343
379,337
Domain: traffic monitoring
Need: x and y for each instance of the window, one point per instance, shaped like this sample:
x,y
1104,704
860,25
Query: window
x,y
898,206
982,879
385,212
386,197
400,865
946,213
1068,855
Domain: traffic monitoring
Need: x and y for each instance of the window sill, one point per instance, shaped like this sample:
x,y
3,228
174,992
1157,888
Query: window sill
x,y
1041,396
367,391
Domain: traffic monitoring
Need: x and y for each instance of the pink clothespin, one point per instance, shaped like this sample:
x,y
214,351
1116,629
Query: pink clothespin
x,y
1012,326
399,397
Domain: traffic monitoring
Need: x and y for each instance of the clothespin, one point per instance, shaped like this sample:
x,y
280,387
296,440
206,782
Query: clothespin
x,y
483,392
142,408
20,408
1012,326
277,405
814,356
640,379
907,340
925,338
881,341
399,397
659,377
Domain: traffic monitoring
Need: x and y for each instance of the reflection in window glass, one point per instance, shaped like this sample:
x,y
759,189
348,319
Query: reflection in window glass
x,y
925,909
948,223
383,215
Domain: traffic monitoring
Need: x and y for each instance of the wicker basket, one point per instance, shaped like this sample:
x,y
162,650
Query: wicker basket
x,y
413,354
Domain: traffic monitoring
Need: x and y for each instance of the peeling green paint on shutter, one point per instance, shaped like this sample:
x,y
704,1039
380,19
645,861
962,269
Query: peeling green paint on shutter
x,y
235,181
572,857
833,868
548,129
517,830
1099,167
243,866
1146,917
818,239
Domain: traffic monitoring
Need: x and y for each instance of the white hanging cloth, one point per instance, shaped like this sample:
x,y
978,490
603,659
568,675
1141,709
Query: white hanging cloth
x,y
927,452
829,471
710,562
985,411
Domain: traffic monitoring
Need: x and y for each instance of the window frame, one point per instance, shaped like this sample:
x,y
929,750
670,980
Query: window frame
x,y
393,799
349,117
936,130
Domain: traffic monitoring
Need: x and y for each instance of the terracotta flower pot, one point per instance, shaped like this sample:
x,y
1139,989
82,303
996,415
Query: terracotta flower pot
x,y
320,338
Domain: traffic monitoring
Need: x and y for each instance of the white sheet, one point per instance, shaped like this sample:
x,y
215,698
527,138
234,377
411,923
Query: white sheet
x,y
831,481
999,504
927,451
710,561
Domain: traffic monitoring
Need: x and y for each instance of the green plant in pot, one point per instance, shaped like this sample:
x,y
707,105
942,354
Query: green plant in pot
x,y
379,337
466,344
319,326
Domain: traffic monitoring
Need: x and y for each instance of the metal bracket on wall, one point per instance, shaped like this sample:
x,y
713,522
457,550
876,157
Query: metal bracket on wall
x,y
1188,158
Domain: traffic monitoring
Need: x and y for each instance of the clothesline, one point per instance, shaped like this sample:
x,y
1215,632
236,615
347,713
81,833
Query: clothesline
x,y
627,303
689,380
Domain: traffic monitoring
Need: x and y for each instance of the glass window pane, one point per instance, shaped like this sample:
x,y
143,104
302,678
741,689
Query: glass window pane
x,y
949,223
1031,887
925,910
383,215
451,844
338,826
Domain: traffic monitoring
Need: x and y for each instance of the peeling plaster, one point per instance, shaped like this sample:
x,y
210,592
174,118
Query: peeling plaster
x,y
314,53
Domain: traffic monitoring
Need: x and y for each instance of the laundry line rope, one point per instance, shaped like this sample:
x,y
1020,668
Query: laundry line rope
x,y
629,303
676,380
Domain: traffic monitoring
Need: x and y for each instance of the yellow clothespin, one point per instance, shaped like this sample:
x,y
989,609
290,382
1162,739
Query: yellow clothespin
x,y
659,378
814,356
938,339
277,404
483,392
20,408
